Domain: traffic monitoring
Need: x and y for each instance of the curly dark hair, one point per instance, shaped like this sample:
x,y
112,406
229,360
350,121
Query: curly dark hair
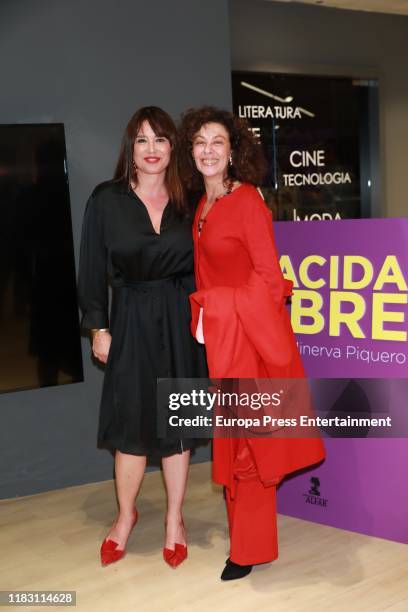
x,y
248,160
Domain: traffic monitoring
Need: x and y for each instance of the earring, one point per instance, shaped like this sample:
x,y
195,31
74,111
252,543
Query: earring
x,y
230,159
134,166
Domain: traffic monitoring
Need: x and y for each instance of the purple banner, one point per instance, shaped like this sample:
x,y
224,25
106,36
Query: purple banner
x,y
360,487
349,307
349,313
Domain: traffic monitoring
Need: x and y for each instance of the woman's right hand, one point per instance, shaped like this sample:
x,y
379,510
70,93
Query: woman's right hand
x,y
101,345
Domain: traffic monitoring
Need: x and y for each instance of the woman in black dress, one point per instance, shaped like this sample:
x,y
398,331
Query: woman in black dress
x,y
137,238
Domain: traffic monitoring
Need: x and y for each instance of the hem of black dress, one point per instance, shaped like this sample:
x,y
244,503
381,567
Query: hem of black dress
x,y
154,454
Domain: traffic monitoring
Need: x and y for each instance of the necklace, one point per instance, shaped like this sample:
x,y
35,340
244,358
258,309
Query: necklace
x,y
227,191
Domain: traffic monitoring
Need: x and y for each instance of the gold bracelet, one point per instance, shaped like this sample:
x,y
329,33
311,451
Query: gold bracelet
x,y
95,331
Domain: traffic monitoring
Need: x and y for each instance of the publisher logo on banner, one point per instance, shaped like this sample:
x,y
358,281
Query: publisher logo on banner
x,y
313,496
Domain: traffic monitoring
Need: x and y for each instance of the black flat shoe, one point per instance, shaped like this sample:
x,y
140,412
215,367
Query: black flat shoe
x,y
233,571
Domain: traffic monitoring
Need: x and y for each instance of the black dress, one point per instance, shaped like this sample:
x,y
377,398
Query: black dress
x,y
151,276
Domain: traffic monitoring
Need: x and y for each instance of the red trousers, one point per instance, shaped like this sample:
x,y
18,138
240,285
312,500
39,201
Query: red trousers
x,y
251,514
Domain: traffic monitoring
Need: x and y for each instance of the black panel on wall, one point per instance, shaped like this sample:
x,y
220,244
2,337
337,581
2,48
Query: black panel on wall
x,y
39,326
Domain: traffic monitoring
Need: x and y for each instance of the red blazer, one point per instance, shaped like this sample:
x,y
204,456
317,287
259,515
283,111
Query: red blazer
x,y
246,328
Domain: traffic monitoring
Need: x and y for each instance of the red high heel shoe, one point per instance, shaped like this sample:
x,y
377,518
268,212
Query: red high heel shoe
x,y
110,553
176,556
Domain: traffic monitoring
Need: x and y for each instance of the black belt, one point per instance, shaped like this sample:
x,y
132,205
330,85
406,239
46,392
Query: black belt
x,y
151,284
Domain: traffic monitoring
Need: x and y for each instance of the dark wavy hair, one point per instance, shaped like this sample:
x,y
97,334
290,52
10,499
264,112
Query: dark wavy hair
x,y
162,125
248,160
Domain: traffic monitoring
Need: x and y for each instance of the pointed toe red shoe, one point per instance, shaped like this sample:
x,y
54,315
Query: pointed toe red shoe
x,y
176,556
168,554
110,553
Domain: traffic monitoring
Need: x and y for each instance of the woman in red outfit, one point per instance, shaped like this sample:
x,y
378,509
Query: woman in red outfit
x,y
238,311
